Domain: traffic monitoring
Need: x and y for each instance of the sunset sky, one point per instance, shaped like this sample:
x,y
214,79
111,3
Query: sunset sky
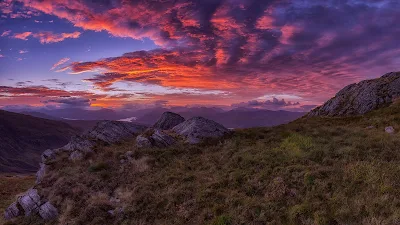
x,y
272,54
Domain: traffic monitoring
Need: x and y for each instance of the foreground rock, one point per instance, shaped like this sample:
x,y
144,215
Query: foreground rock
x,y
30,203
156,138
198,128
357,99
168,120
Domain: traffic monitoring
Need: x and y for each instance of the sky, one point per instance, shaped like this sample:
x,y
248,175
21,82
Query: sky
x,y
270,54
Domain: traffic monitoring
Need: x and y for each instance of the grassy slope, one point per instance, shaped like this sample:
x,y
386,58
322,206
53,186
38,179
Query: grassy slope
x,y
311,171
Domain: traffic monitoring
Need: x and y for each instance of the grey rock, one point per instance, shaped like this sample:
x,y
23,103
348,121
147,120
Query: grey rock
x,y
76,156
198,128
129,154
168,120
389,130
161,139
158,138
118,212
143,142
363,97
47,211
12,211
114,131
370,127
30,202
49,155
79,143
41,173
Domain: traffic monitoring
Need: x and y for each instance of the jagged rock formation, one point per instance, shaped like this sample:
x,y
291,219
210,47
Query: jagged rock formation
x,y
31,203
114,131
198,128
105,131
360,98
168,120
158,138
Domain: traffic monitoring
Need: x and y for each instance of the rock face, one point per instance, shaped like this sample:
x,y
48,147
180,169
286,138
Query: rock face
x,y
114,131
360,98
158,138
168,120
198,128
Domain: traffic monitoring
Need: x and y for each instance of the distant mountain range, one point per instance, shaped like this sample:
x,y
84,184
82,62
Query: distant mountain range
x,y
23,138
235,118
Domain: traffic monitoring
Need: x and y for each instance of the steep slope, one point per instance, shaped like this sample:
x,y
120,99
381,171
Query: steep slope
x,y
23,138
360,98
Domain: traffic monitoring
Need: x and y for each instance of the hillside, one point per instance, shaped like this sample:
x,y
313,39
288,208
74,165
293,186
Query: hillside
x,y
310,171
23,138
82,125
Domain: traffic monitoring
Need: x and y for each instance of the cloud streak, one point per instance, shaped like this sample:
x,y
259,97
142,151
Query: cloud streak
x,y
59,63
47,37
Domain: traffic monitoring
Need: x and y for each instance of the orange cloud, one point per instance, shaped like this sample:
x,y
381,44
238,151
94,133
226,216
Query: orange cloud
x,y
23,36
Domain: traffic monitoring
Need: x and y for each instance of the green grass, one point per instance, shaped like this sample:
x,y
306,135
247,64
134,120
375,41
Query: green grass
x,y
311,171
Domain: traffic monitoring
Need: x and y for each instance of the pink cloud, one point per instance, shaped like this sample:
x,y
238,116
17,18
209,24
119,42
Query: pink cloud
x,y
23,36
6,33
50,37
59,63
47,37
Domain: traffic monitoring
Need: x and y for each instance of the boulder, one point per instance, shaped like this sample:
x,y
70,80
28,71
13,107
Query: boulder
x,y
47,211
12,211
49,155
114,131
158,138
389,130
143,142
30,202
198,128
79,143
363,97
41,173
168,120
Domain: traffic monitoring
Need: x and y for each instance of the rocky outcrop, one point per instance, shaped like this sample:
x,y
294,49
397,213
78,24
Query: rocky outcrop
x,y
31,203
157,138
198,128
360,98
114,131
105,131
168,120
